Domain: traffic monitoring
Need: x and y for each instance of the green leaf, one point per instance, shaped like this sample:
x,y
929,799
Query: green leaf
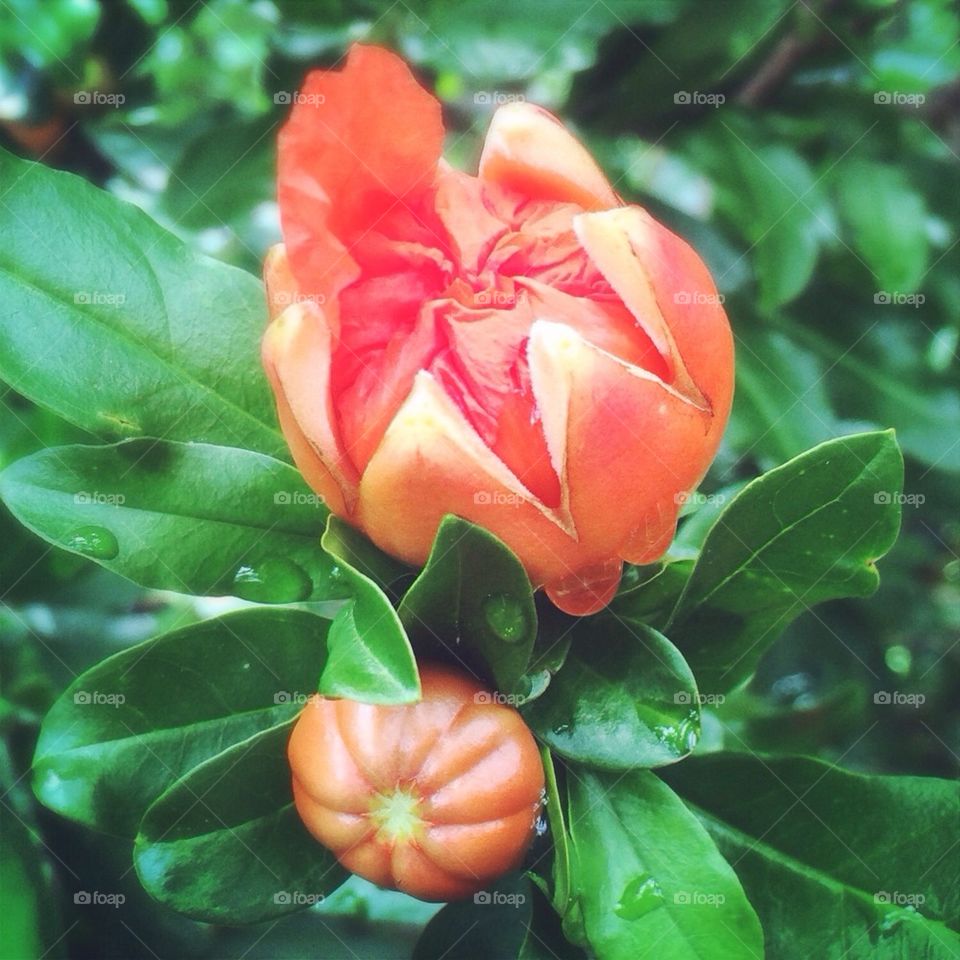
x,y
230,817
803,533
836,863
888,219
648,594
473,596
129,727
624,698
371,659
511,921
191,517
118,326
648,876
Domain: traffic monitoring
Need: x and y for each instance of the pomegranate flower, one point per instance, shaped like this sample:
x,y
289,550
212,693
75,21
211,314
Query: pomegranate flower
x,y
518,348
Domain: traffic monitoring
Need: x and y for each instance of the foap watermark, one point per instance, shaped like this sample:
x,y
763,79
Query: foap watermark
x,y
496,98
297,898
290,696
98,98
87,498
99,298
697,298
497,498
897,898
883,497
498,298
296,98
285,298
494,898
699,499
894,298
97,698
96,898
698,898
896,698
503,699
704,699
297,498
696,98
897,98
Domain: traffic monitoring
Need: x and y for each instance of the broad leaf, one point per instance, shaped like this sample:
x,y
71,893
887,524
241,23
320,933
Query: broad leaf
x,y
370,656
119,327
191,517
648,876
474,597
510,921
231,817
129,727
837,864
624,698
803,533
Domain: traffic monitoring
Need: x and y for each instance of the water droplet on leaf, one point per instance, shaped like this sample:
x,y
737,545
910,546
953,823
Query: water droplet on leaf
x,y
96,542
641,895
274,580
505,617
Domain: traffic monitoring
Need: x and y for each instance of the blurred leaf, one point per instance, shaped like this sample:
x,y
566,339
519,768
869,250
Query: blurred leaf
x,y
474,595
803,533
233,816
120,328
781,407
370,656
194,518
646,873
624,698
888,220
130,726
833,861
925,415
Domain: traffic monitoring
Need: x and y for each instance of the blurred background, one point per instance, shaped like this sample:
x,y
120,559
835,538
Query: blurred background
x,y
809,149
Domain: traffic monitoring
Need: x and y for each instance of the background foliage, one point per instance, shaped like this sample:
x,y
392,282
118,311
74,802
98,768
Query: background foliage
x,y
808,149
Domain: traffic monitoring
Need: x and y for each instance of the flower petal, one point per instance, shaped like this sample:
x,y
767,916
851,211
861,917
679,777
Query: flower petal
x,y
359,142
296,355
530,151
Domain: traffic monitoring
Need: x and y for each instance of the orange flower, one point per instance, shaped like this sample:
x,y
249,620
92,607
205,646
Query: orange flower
x,y
517,348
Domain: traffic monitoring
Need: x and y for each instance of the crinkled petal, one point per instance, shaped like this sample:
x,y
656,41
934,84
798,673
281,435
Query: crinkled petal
x,y
530,151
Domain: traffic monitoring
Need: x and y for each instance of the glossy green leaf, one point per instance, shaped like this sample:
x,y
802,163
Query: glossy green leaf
x,y
624,698
648,594
129,727
803,533
233,817
118,326
371,659
194,518
837,864
887,218
647,875
474,597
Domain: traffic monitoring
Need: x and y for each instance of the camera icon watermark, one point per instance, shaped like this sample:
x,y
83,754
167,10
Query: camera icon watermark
x,y
287,98
96,698
897,898
297,498
87,498
683,697
698,499
887,298
98,298
896,98
494,898
496,98
895,698
95,898
494,696
697,298
695,98
883,497
98,98
699,898
297,898
497,498
290,696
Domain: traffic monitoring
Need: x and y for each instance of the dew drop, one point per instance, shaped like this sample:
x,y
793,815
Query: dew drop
x,y
505,617
96,542
641,895
681,737
274,580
